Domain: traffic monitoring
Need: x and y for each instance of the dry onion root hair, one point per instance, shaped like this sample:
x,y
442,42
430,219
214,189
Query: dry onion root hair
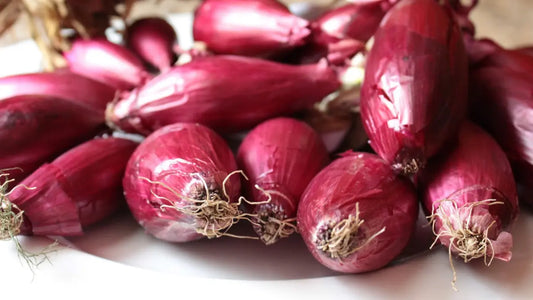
x,y
11,219
468,242
272,223
339,239
214,214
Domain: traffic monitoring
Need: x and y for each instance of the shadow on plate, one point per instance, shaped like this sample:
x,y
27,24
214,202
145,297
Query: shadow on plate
x,y
121,239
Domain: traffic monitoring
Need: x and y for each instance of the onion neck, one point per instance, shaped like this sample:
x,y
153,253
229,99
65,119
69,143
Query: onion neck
x,y
409,161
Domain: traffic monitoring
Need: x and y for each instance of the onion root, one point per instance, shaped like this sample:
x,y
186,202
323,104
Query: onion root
x,y
468,240
339,239
214,213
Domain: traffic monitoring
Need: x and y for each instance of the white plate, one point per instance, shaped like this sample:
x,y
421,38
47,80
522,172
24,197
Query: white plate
x,y
117,259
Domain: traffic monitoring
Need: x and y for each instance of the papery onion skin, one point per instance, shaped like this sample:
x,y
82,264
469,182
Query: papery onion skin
x,y
526,50
470,187
94,177
226,93
479,49
387,205
502,103
104,61
81,187
358,20
34,129
342,32
258,28
280,155
61,84
153,39
167,161
414,94
509,59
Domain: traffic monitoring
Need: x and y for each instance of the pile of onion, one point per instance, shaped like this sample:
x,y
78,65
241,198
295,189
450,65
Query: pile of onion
x,y
295,98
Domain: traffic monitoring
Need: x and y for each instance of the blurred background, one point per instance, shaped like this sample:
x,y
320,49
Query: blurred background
x,y
509,22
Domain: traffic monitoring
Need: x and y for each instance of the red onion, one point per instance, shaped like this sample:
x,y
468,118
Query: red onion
x,y
479,49
356,215
78,189
514,60
34,129
526,50
179,184
106,62
414,94
248,27
153,40
279,156
502,102
358,20
471,197
341,33
227,93
63,84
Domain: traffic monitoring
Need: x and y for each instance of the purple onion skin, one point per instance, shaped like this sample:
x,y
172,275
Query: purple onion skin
x,y
172,155
384,201
259,28
414,94
526,50
226,93
476,170
61,84
153,39
81,187
340,33
94,177
514,60
358,21
479,49
506,95
57,215
106,62
281,155
34,129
